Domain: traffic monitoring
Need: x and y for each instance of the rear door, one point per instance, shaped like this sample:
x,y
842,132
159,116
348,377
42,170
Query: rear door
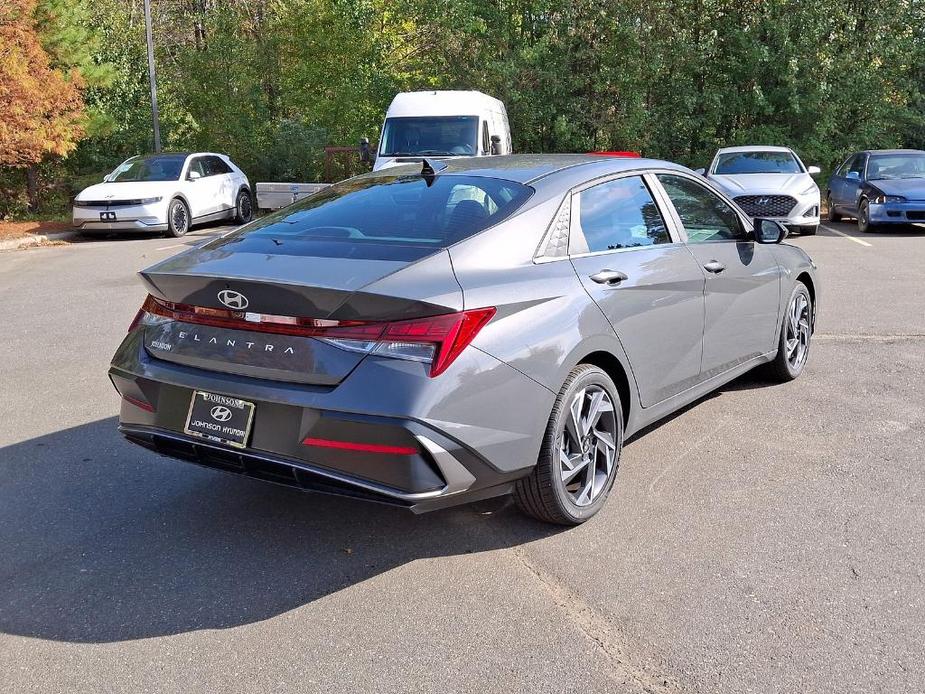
x,y
644,280
224,182
742,291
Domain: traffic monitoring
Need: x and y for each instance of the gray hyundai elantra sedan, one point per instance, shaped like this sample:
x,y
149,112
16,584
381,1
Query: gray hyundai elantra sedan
x,y
438,333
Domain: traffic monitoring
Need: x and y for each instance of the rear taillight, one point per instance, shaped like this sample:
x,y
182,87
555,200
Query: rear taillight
x,y
436,340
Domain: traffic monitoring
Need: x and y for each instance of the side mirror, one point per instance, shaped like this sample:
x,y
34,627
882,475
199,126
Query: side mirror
x,y
495,144
769,230
853,175
701,171
194,175
365,155
813,170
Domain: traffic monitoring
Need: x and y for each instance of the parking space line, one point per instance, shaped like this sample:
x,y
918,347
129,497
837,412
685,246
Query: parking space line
x,y
847,236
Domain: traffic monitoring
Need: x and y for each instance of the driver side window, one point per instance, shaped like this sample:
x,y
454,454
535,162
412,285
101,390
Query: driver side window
x,y
705,216
857,165
197,166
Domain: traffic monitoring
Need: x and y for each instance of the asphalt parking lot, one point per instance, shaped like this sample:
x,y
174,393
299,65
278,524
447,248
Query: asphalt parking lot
x,y
770,538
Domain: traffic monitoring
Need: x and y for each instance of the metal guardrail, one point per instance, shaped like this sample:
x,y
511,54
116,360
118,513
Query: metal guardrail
x,y
273,196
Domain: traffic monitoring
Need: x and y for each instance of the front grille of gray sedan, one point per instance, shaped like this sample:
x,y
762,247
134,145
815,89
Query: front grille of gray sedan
x,y
766,205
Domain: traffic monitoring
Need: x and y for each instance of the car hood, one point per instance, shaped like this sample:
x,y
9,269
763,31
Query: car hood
x,y
129,190
911,188
764,184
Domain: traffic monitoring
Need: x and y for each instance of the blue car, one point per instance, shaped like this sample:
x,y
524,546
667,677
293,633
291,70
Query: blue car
x,y
879,187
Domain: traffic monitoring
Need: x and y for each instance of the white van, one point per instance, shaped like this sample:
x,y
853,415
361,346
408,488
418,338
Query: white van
x,y
442,124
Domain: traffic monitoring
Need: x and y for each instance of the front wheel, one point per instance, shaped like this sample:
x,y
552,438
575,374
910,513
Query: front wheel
x,y
795,335
832,214
809,230
244,209
864,223
178,218
580,454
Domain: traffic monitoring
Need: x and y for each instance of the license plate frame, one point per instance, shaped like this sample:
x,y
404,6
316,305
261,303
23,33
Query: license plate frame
x,y
220,419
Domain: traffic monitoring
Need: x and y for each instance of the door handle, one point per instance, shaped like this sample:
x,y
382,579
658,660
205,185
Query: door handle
x,y
609,277
714,266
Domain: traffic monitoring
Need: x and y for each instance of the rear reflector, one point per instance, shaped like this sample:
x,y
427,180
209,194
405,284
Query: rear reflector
x,y
360,447
445,336
147,406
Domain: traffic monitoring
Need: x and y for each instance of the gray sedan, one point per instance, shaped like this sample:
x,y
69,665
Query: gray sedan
x,y
428,336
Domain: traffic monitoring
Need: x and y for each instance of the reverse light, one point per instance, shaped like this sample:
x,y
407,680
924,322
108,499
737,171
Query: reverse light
x,y
437,340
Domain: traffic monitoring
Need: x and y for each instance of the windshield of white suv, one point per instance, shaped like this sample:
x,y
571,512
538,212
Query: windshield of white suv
x,y
886,166
164,167
733,163
430,135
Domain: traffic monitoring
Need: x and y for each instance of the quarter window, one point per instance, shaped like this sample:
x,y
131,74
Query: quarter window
x,y
705,216
620,214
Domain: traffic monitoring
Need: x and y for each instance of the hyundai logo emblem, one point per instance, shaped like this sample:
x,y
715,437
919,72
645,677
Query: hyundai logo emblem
x,y
220,413
233,299
764,201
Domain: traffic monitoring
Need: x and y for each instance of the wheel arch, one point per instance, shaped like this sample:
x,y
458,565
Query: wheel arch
x,y
613,367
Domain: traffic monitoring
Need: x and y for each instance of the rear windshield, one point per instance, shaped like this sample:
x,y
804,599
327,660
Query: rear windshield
x,y
390,217
756,163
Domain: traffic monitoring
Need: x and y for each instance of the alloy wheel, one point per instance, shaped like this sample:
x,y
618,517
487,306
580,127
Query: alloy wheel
x,y
587,446
798,331
245,207
179,218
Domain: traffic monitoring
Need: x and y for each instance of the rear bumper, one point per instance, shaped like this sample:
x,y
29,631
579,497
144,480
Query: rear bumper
x,y
473,431
909,212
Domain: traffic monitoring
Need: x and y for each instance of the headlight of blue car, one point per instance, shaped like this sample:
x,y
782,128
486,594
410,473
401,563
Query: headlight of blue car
x,y
880,199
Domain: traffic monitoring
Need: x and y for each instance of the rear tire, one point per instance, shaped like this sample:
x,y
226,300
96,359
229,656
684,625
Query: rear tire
x,y
580,455
833,216
795,335
178,218
244,207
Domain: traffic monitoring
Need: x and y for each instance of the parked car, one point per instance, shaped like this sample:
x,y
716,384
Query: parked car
x,y
165,192
431,335
442,124
769,182
879,187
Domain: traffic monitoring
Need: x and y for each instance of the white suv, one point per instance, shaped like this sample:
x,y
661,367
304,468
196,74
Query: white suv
x,y
165,192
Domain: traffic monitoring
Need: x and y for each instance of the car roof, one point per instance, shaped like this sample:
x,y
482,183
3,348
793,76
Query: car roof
x,y
754,148
893,151
529,168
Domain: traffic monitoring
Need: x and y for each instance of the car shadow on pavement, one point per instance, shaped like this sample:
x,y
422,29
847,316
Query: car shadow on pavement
x,y
103,541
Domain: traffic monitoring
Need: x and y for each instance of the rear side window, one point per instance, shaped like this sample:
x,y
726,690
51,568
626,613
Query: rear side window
x,y
620,214
216,167
371,217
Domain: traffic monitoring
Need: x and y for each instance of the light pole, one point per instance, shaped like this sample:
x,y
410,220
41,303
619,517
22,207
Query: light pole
x,y
151,77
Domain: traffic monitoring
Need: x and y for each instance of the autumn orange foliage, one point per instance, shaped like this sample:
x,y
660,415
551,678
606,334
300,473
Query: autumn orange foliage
x,y
41,108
